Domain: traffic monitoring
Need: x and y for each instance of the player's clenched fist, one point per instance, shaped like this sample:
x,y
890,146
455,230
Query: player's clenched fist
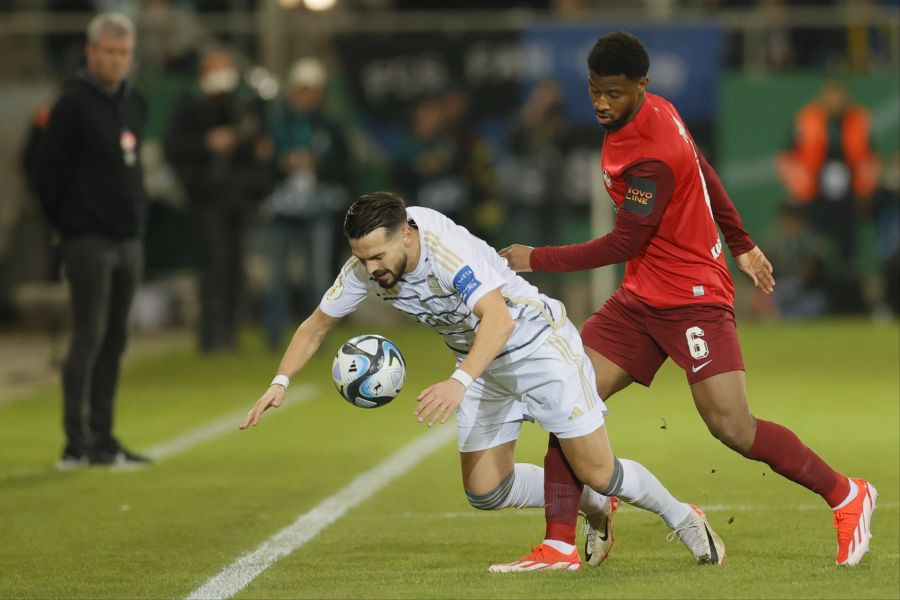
x,y
273,397
518,257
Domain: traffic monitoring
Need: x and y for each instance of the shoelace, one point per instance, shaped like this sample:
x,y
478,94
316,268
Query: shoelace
x,y
843,534
672,534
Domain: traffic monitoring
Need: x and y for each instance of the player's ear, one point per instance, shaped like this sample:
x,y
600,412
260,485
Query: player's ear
x,y
407,238
642,84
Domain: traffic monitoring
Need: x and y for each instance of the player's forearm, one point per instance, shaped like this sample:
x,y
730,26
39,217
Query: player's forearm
x,y
493,333
620,245
306,341
725,213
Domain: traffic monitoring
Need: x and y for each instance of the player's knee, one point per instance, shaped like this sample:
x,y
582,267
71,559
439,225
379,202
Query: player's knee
x,y
735,434
600,477
494,499
607,479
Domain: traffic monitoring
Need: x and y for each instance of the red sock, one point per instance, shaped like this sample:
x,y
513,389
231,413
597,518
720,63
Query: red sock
x,y
782,450
562,495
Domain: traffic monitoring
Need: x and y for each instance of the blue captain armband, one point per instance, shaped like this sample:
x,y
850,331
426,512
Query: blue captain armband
x,y
465,282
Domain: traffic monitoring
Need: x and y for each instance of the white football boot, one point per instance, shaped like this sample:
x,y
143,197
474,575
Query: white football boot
x,y
598,534
698,535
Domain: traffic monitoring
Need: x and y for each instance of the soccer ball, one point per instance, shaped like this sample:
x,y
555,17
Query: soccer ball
x,y
368,371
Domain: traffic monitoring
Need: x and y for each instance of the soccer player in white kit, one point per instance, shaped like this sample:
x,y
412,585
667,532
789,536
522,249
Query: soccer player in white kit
x,y
517,358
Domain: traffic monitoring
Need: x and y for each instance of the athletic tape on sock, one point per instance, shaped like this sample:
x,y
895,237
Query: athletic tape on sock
x,y
494,499
615,482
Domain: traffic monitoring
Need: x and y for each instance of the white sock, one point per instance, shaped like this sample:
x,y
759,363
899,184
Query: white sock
x,y
561,546
851,495
528,491
528,487
592,501
639,487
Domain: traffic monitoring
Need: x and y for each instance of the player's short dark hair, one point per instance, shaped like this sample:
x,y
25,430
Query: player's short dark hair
x,y
619,53
373,211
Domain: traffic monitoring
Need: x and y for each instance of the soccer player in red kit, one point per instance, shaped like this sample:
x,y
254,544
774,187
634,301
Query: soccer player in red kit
x,y
676,299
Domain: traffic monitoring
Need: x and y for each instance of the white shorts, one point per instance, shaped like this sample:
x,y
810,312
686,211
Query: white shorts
x,y
554,385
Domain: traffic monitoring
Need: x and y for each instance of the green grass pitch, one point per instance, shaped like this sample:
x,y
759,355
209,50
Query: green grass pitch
x,y
162,532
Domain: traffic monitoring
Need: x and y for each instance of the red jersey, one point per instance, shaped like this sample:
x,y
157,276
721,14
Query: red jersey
x,y
668,201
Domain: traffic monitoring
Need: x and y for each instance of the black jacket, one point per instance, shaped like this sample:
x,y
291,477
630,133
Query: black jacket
x,y
89,174
233,180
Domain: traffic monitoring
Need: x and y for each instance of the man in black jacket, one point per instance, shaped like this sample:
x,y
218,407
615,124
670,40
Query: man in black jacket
x,y
90,183
214,143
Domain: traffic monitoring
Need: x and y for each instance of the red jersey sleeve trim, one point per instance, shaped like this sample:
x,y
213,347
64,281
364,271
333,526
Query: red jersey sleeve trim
x,y
650,186
725,213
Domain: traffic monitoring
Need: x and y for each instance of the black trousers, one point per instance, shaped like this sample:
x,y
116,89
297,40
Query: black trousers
x,y
220,239
103,276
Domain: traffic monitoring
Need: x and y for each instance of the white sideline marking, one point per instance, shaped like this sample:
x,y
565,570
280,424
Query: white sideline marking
x,y
246,568
296,396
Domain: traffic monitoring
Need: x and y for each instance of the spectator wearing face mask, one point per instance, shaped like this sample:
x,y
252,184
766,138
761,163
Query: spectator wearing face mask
x,y
306,209
215,143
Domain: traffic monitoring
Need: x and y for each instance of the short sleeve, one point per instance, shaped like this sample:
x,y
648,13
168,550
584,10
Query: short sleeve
x,y
464,267
346,293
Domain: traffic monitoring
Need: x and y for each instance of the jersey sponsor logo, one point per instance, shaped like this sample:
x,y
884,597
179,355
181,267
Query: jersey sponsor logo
x,y
465,282
606,179
640,196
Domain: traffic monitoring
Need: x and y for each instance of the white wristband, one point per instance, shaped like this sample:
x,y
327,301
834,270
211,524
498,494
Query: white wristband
x,y
281,380
462,377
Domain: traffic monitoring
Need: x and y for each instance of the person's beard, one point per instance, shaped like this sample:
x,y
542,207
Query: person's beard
x,y
614,124
396,273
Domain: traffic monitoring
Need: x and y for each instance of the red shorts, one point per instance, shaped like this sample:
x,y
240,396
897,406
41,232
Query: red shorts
x,y
701,339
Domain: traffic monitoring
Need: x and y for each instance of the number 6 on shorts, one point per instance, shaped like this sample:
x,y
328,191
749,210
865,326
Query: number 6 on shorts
x,y
695,341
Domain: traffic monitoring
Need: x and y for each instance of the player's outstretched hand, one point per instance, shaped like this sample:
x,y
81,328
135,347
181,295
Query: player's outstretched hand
x,y
518,257
440,401
758,268
273,397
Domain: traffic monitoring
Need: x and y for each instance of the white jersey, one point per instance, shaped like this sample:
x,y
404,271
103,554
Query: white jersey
x,y
455,270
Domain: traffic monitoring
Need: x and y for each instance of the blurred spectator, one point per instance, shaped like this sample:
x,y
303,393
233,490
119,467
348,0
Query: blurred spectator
x,y
90,183
44,257
530,175
779,51
40,117
799,256
887,223
312,156
63,49
831,170
429,164
215,145
476,163
171,36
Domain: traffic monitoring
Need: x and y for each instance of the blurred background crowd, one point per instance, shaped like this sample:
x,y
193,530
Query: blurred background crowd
x,y
267,117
